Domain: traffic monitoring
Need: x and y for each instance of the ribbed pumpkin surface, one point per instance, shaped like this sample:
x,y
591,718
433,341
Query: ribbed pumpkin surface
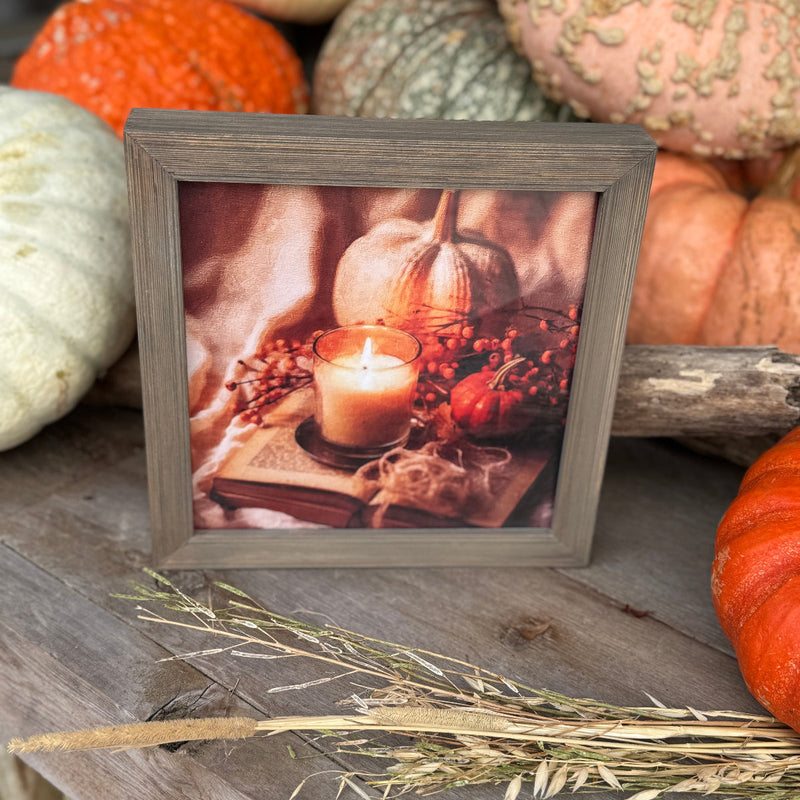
x,y
715,268
114,55
66,284
437,59
426,277
756,578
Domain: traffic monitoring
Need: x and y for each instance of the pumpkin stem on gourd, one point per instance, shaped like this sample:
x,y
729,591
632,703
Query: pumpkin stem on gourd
x,y
444,220
497,381
781,183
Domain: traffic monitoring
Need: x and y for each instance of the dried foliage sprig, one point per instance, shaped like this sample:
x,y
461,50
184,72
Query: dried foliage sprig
x,y
466,725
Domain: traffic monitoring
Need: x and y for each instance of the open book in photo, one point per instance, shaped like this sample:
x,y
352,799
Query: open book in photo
x,y
271,470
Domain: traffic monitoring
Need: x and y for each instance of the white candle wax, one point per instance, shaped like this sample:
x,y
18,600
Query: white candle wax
x,y
364,399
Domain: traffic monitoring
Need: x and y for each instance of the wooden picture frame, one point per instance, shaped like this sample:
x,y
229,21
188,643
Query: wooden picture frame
x,y
177,159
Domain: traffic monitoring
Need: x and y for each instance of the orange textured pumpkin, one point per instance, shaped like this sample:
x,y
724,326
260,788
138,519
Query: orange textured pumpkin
x,y
714,267
756,578
110,56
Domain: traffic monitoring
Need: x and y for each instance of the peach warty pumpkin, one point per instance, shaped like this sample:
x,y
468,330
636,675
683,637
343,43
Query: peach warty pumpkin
x,y
708,79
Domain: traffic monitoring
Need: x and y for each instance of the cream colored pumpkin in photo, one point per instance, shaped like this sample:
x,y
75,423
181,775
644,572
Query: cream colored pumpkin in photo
x,y
66,286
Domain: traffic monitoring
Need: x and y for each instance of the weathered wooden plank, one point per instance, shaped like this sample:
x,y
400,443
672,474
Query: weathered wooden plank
x,y
671,390
44,695
64,453
654,539
66,663
684,391
637,499
90,534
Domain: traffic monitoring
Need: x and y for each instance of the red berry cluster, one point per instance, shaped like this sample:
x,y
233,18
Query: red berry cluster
x,y
548,380
282,366
279,368
549,349
449,357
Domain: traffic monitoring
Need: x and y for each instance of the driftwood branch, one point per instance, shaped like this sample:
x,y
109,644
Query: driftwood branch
x,y
707,391
670,390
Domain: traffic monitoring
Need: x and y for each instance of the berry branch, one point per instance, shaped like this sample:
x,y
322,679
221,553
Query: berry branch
x,y
543,357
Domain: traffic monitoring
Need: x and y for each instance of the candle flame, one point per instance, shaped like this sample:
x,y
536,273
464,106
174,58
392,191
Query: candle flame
x,y
366,354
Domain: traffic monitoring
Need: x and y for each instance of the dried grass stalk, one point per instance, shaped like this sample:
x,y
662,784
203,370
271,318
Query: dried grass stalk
x,y
468,725
139,734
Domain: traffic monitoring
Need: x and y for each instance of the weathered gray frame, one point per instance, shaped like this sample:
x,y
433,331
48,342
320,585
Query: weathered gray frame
x,y
165,147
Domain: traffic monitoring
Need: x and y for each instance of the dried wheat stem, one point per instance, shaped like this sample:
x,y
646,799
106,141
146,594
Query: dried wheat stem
x,y
138,734
420,719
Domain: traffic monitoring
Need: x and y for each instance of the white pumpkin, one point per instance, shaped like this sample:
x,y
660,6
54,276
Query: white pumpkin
x,y
66,283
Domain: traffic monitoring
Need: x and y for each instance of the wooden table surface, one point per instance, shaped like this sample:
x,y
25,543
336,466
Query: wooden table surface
x,y
75,530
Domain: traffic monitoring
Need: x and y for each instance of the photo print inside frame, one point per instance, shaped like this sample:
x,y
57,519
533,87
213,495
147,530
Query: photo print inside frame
x,y
373,357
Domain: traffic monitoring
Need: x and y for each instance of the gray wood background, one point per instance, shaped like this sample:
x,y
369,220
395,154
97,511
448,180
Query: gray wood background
x,y
75,530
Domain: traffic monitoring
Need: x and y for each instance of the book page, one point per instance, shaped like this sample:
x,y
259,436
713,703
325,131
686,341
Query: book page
x,y
273,457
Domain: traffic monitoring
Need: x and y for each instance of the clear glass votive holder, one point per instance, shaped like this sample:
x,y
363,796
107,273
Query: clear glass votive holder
x,y
365,377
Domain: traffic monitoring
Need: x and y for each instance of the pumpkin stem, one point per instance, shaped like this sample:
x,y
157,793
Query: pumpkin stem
x,y
780,185
497,379
444,220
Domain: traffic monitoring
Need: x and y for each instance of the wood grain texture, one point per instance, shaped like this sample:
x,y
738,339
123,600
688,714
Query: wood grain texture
x,y
317,150
618,230
703,391
67,664
670,489
637,619
164,147
153,200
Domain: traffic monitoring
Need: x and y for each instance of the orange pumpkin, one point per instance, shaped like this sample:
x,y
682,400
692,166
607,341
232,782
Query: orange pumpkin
x,y
486,405
756,578
110,56
714,267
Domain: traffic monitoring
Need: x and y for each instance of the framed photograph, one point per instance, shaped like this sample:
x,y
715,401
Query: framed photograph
x,y
379,342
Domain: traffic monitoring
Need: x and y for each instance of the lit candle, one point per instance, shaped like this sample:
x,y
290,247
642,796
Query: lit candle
x,y
365,377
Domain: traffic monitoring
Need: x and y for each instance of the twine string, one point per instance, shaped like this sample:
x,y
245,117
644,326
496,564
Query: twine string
x,y
442,478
